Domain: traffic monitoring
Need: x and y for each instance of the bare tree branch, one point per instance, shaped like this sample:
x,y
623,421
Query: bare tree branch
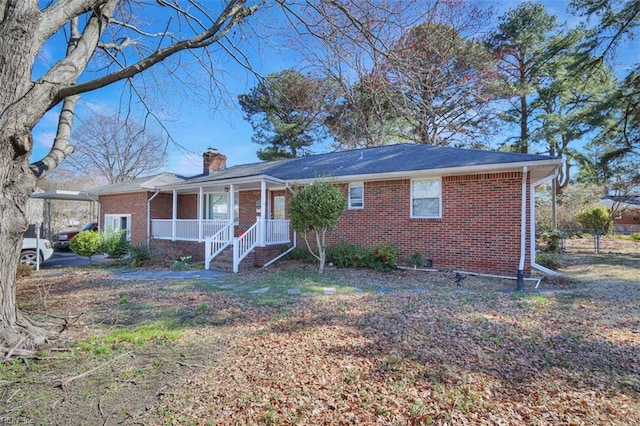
x,y
233,13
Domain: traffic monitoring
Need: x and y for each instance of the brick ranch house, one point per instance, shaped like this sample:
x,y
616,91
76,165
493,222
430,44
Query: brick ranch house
x,y
467,210
626,219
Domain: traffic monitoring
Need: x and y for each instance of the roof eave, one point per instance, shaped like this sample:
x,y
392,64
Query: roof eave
x,y
445,171
223,181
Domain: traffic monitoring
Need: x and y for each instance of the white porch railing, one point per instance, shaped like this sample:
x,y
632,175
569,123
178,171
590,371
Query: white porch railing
x,y
277,231
243,245
186,229
214,245
218,234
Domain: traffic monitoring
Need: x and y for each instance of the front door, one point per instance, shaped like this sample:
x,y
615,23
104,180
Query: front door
x,y
278,202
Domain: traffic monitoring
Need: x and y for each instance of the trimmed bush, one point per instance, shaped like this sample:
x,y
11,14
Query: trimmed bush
x,y
549,260
383,257
346,255
115,244
596,218
86,243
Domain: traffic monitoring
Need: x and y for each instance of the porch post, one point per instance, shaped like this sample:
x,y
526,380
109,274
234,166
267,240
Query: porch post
x,y
231,201
263,213
174,215
200,204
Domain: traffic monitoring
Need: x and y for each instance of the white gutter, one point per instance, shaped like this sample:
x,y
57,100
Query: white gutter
x,y
224,181
149,216
523,229
485,168
533,224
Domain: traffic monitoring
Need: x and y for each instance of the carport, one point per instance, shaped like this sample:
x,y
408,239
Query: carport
x,y
63,195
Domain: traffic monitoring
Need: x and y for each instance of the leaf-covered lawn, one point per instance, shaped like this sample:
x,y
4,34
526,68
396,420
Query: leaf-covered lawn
x,y
429,352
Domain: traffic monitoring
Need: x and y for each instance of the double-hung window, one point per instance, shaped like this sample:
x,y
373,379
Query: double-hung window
x,y
356,196
426,197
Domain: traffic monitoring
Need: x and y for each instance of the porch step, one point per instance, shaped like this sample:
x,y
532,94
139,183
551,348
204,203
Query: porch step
x,y
224,261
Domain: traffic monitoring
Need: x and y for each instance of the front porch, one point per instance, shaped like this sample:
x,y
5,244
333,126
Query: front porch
x,y
240,215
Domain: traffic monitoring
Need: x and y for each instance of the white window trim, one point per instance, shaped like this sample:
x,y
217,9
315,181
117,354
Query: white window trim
x,y
109,216
439,215
351,207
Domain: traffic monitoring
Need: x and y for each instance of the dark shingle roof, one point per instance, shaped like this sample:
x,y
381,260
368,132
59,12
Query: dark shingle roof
x,y
383,159
147,182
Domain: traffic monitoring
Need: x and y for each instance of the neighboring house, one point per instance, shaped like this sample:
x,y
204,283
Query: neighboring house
x,y
464,210
626,216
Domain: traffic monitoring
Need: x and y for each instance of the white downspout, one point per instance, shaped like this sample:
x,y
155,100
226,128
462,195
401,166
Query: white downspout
x,y
523,230
534,265
263,214
174,215
149,217
200,207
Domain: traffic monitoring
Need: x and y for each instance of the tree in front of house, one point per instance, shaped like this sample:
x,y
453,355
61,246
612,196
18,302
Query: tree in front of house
x,y
104,42
315,210
287,111
115,149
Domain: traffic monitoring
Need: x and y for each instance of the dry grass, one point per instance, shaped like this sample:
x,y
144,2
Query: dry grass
x,y
430,352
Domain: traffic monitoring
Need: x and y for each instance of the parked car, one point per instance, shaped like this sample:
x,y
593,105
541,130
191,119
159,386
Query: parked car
x,y
30,250
61,239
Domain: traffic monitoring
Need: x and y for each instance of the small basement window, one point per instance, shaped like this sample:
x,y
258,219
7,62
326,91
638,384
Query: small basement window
x,y
356,196
426,197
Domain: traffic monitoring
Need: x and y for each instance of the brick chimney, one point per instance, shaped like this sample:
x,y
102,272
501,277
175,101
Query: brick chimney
x,y
213,160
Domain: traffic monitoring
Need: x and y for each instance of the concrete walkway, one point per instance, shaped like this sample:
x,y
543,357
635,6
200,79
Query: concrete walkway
x,y
139,274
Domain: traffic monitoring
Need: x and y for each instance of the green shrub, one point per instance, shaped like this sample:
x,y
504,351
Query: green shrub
x,y
138,255
86,243
115,244
417,260
383,257
551,240
23,271
346,255
635,237
549,260
596,218
300,253
184,263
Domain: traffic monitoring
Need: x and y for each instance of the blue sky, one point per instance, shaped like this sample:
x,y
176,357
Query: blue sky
x,y
197,121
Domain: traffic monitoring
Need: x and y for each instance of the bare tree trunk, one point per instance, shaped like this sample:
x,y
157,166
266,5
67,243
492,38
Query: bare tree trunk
x,y
17,182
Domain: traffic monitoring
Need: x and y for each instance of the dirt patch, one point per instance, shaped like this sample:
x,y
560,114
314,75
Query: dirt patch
x,y
409,347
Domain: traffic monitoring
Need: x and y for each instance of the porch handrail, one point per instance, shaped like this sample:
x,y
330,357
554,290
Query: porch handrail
x,y
243,245
215,244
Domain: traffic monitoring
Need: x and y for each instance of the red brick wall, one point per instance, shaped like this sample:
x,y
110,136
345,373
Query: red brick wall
x,y
187,206
173,250
162,206
628,223
479,230
247,206
134,204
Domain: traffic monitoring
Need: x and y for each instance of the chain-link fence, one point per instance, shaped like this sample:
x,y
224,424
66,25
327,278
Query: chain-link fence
x,y
580,240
